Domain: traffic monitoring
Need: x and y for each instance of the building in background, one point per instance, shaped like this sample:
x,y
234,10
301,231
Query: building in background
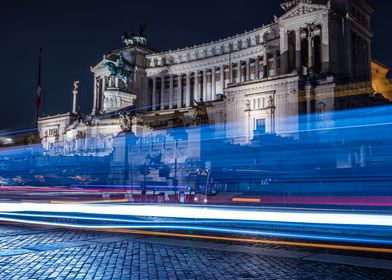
x,y
313,59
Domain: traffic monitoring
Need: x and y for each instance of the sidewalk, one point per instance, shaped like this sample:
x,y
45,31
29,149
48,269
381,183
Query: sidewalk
x,y
33,253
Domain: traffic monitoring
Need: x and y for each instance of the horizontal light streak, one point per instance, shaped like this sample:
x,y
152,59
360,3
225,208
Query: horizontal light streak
x,y
202,212
142,229
129,186
246,200
90,202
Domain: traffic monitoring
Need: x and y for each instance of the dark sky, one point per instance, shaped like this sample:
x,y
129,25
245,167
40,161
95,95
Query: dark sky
x,y
76,33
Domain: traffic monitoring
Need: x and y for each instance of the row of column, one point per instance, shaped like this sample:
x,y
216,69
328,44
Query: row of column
x,y
310,32
203,88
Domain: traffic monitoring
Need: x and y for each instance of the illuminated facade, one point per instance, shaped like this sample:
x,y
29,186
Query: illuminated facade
x,y
381,84
256,82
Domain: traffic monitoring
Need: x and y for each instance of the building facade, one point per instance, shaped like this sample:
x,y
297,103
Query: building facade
x,y
260,81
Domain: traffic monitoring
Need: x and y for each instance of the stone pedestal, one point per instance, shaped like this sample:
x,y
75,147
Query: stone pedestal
x,y
116,99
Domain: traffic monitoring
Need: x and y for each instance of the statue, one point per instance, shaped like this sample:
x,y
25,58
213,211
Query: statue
x,y
126,39
288,4
126,121
76,86
270,101
201,114
120,71
142,29
321,107
135,38
247,104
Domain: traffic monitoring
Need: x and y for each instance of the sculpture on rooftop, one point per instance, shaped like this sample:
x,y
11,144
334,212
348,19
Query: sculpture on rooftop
x,y
289,4
138,38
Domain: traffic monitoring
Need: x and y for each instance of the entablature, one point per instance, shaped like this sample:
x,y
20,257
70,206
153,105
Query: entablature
x,y
217,61
226,46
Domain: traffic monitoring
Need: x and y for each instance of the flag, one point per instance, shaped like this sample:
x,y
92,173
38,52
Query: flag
x,y
38,101
39,87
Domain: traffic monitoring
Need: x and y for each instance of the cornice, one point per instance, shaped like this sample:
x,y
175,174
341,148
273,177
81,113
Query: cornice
x,y
207,63
263,85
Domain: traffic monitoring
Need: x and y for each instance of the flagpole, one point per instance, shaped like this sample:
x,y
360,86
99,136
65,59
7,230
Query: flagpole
x,y
39,88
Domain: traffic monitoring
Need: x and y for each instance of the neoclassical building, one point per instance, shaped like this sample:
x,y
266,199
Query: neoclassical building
x,y
314,58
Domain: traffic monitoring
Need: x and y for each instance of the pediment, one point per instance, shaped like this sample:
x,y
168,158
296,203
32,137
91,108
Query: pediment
x,y
302,9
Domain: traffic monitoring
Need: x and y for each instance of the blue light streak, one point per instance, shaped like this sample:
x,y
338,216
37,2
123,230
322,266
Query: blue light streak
x,y
175,227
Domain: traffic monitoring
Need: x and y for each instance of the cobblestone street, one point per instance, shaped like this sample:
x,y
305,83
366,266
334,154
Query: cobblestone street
x,y
34,253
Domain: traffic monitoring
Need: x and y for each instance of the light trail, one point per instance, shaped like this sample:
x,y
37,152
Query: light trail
x,y
212,238
90,202
203,212
161,221
213,229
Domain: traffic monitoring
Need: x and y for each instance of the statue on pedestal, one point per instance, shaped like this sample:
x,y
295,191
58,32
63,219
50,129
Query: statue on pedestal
x,y
201,114
122,70
126,121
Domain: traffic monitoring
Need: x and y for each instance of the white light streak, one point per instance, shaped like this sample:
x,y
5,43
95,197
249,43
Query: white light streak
x,y
203,212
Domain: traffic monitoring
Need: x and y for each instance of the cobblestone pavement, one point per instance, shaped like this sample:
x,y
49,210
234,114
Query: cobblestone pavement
x,y
39,253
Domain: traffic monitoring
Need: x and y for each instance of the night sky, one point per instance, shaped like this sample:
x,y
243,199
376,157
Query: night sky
x,y
75,35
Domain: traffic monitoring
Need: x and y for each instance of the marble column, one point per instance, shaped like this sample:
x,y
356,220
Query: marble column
x,y
101,94
223,82
196,91
204,94
298,65
257,68
146,100
265,63
275,58
231,73
179,92
104,79
310,53
247,70
284,49
95,101
162,103
213,86
325,61
171,91
154,100
239,72
188,90
75,102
